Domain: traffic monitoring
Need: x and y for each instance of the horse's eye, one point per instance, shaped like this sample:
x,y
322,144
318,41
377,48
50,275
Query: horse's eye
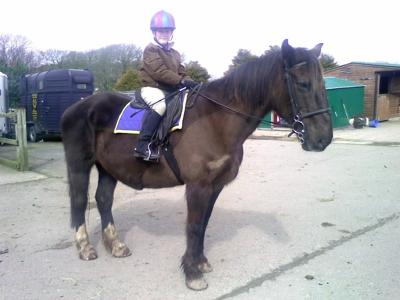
x,y
304,85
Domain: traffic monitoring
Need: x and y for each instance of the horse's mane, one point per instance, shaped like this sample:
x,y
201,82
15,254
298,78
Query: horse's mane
x,y
249,82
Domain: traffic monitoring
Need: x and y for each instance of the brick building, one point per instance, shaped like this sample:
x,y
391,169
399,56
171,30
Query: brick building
x,y
382,86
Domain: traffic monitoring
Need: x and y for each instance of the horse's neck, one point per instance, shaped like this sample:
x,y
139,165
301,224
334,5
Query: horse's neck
x,y
234,128
251,105
243,125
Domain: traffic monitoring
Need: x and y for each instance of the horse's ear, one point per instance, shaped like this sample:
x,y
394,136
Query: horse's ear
x,y
316,51
287,50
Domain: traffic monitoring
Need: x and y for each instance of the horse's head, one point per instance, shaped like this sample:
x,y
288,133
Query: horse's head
x,y
305,105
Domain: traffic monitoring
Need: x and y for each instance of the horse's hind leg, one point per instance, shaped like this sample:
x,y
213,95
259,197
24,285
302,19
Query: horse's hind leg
x,y
104,199
78,177
200,202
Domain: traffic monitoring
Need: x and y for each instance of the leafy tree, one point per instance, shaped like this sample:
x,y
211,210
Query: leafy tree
x,y
197,72
327,61
272,49
128,81
243,56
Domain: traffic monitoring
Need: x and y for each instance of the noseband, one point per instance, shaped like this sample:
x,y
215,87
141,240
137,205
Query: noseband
x,y
298,126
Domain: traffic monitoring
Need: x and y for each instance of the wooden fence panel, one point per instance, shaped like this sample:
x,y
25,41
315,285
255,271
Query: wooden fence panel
x,y
21,163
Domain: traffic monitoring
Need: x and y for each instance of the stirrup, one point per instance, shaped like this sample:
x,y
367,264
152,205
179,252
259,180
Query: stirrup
x,y
152,155
149,154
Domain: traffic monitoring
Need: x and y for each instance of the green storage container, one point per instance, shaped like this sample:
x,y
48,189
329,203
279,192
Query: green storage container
x,y
346,100
265,123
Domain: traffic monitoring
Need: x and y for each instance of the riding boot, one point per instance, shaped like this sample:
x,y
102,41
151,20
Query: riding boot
x,y
144,147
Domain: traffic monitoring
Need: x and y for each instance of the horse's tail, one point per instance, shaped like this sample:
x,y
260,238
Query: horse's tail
x,y
78,137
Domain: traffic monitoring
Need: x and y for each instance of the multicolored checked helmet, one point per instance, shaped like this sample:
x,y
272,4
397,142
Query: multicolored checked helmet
x,y
162,20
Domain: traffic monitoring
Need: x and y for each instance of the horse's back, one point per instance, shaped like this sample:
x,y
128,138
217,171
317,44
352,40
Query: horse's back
x,y
81,120
91,108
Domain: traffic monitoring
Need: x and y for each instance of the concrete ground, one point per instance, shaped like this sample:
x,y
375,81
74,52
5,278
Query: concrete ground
x,y
293,225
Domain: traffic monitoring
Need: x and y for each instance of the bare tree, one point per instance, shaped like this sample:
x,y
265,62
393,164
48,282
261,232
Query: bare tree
x,y
53,57
16,59
15,50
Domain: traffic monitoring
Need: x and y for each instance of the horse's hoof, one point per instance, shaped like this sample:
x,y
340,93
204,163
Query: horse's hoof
x,y
197,284
120,250
205,267
88,253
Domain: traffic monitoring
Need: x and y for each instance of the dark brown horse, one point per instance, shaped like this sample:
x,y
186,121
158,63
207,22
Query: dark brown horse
x,y
208,150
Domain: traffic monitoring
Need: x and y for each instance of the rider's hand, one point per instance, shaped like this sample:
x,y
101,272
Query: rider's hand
x,y
188,83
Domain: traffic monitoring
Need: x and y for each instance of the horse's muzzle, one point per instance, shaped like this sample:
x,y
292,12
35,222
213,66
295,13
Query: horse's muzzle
x,y
318,145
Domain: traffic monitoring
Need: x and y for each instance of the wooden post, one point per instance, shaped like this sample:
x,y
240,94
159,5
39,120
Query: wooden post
x,y
22,149
376,96
21,162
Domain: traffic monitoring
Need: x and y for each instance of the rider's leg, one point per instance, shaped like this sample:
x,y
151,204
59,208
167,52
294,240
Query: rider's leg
x,y
155,98
152,119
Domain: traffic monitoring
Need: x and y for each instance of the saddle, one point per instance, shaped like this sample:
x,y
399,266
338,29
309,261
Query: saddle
x,y
131,116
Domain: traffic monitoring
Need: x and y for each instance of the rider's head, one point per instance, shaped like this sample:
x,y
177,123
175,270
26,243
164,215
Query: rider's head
x,y
162,25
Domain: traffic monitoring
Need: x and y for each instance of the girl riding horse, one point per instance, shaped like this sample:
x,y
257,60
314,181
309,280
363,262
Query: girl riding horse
x,y
162,72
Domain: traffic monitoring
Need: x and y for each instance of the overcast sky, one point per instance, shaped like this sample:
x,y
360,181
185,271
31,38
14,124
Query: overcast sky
x,y
210,31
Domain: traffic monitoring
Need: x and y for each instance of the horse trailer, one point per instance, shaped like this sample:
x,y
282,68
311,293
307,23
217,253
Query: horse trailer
x,y
3,103
46,95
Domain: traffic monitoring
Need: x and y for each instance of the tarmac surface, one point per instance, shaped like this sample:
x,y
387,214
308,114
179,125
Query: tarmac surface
x,y
293,225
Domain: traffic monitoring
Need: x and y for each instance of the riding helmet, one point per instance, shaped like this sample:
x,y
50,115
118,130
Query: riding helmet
x,y
162,20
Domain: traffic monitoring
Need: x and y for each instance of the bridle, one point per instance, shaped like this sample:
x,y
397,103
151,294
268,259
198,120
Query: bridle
x,y
298,126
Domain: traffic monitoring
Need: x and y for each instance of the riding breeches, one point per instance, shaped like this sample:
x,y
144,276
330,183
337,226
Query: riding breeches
x,y
155,98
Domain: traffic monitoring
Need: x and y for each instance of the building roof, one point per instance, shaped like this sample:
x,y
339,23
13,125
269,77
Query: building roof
x,y
382,65
377,64
339,83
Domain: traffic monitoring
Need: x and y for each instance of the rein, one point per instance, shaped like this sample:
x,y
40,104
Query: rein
x,y
197,93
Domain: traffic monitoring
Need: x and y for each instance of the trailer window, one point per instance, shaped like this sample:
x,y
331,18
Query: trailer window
x,y
81,86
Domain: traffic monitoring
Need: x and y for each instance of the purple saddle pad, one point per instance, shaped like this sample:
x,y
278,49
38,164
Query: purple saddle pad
x,y
130,119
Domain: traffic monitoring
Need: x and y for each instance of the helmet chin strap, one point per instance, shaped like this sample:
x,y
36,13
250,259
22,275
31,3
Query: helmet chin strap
x,y
167,45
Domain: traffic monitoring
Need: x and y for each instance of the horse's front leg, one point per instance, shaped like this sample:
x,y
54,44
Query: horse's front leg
x,y
104,198
200,201
204,265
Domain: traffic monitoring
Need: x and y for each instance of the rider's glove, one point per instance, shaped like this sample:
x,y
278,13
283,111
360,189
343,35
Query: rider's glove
x,y
188,83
